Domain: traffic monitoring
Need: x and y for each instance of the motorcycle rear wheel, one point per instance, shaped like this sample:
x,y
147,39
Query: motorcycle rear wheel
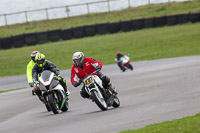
x,y
130,66
116,102
65,107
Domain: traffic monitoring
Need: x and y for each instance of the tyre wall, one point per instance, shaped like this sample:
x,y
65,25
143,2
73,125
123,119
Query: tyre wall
x,y
42,37
18,41
30,39
91,30
54,35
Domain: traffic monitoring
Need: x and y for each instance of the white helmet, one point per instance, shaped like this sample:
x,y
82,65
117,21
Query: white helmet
x,y
33,54
78,58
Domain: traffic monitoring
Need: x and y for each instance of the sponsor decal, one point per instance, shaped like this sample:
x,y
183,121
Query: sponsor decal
x,y
87,64
76,70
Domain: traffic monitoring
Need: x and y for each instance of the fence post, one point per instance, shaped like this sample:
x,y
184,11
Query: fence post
x,y
88,8
129,4
47,14
67,10
26,16
5,19
108,5
149,1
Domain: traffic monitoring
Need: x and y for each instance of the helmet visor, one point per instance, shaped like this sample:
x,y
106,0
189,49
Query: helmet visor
x,y
40,61
77,60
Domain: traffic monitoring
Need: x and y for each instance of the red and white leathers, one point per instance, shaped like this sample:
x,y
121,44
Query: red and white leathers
x,y
88,67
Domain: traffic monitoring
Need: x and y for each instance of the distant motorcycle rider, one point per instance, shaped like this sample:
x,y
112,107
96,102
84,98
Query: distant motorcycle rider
x,y
118,60
41,65
85,66
30,67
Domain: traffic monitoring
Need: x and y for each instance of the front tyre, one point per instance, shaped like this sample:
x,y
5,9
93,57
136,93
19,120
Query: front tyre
x,y
99,100
48,107
46,103
53,103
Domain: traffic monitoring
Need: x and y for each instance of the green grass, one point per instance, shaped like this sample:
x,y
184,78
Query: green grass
x,y
127,14
146,44
2,91
188,124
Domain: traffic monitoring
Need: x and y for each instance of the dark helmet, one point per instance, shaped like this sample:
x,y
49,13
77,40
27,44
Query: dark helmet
x,y
78,58
40,59
118,52
33,54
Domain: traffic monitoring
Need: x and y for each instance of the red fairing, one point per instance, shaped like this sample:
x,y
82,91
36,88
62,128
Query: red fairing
x,y
77,72
126,64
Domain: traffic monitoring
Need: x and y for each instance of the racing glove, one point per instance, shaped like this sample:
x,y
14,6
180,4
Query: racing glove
x,y
76,83
36,84
98,68
31,84
61,78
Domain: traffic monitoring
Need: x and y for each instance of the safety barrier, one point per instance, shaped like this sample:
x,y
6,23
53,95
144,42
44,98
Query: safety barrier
x,y
91,30
67,11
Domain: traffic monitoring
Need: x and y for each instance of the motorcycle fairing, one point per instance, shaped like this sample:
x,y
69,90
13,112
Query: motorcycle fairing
x,y
90,80
125,59
46,78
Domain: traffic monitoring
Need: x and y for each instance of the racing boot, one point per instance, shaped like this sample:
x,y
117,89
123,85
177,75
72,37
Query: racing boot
x,y
41,98
112,88
67,92
63,83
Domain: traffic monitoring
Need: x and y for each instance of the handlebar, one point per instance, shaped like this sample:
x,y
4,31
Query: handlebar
x,y
90,74
94,72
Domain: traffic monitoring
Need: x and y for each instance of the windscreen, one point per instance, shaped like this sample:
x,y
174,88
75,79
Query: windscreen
x,y
46,75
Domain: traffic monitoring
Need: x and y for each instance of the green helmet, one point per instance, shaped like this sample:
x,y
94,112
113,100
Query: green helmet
x,y
40,59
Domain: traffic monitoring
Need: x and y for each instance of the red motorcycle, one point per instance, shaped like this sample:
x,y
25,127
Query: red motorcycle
x,y
124,63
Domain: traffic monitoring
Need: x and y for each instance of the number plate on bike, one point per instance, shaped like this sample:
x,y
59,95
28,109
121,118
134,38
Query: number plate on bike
x,y
88,80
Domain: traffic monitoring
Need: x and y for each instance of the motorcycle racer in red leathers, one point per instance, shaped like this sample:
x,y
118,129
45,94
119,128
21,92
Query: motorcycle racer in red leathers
x,y
85,66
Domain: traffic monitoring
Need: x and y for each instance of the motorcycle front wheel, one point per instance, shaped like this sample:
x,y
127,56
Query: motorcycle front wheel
x,y
48,107
99,100
46,103
53,103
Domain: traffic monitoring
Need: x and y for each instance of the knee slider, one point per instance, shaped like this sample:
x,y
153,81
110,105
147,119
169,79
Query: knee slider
x,y
84,94
106,79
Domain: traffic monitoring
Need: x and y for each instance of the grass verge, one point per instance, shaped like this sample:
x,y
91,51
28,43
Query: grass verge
x,y
12,90
146,44
188,124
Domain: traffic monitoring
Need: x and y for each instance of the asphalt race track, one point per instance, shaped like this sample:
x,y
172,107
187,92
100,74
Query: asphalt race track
x,y
155,91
